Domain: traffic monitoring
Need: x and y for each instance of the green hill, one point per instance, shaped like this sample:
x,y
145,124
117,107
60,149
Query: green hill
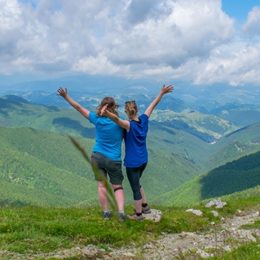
x,y
235,176
191,152
42,169
34,162
241,142
176,153
232,177
171,158
171,162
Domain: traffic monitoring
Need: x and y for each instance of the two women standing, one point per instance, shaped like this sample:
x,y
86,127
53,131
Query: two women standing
x,y
106,153
136,154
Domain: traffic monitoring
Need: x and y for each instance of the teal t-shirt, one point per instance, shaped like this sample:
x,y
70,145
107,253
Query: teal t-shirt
x,y
109,137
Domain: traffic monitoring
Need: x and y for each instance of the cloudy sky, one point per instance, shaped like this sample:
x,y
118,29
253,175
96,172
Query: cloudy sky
x,y
200,41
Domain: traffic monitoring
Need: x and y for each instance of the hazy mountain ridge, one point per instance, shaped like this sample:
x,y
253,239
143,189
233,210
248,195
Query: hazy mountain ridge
x,y
202,98
240,115
206,127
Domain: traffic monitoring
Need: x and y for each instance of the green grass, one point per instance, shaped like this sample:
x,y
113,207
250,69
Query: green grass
x,y
249,251
242,200
255,225
28,230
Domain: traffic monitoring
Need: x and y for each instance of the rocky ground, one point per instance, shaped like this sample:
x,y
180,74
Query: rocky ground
x,y
222,237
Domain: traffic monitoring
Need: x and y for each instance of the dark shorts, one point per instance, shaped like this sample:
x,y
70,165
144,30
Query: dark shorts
x,y
108,167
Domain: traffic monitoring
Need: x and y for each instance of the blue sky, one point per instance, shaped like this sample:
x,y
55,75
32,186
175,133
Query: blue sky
x,y
239,9
202,42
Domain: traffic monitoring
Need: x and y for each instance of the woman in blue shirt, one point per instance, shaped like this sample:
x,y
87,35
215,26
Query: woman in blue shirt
x,y
106,153
136,155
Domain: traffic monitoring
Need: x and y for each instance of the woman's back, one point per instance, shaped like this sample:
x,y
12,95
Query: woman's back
x,y
135,142
108,137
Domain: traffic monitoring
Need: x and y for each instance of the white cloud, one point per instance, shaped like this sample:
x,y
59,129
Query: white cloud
x,y
10,15
138,11
236,63
167,39
96,65
11,23
188,29
252,24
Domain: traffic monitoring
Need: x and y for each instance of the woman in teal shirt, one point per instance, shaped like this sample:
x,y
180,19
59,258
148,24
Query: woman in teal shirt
x,y
106,153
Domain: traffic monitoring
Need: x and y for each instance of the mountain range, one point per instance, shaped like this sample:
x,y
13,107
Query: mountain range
x,y
40,166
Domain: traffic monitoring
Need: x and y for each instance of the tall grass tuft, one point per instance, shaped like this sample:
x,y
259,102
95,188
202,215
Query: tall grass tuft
x,y
97,173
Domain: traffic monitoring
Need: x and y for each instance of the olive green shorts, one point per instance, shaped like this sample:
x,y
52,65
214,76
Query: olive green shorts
x,y
107,167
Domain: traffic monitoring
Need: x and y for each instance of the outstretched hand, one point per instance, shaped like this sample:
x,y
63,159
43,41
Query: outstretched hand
x,y
103,110
62,92
166,89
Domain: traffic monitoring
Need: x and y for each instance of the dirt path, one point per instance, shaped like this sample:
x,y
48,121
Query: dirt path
x,y
225,236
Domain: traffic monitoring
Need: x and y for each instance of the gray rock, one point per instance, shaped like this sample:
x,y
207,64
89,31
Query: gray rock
x,y
196,212
214,213
155,215
217,203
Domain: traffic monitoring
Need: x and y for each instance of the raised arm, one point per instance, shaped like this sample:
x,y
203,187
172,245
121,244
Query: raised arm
x,y
155,102
123,123
64,93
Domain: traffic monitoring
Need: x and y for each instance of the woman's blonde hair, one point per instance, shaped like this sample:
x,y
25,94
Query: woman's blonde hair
x,y
131,108
111,105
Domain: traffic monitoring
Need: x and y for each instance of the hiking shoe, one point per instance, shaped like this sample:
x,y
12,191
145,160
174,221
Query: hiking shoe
x,y
107,215
136,217
146,209
122,217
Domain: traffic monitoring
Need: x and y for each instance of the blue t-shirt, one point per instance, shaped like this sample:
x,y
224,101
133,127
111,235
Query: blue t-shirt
x,y
109,137
135,143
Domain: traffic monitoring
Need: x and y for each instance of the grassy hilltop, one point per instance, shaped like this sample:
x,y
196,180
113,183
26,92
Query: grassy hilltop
x,y
31,232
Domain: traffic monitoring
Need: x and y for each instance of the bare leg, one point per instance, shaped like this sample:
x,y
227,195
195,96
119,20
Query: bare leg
x,y
102,195
143,195
120,198
138,206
